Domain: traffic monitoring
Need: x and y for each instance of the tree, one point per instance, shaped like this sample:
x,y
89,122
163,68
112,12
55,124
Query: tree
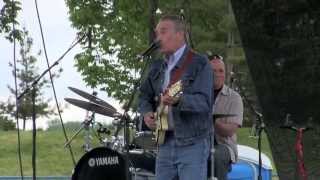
x,y
6,123
8,14
26,74
117,31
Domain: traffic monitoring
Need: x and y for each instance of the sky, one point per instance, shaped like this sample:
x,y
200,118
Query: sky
x,y
58,35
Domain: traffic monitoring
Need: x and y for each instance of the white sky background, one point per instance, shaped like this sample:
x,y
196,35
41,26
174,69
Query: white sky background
x,y
58,35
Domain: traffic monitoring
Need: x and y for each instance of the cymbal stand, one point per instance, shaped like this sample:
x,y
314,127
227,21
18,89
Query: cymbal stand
x,y
86,126
87,137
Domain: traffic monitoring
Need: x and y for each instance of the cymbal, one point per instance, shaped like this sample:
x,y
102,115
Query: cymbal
x,y
92,98
215,116
90,106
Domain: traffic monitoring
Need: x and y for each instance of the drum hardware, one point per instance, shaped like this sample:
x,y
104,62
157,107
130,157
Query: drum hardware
x,y
86,124
110,142
114,143
89,120
102,130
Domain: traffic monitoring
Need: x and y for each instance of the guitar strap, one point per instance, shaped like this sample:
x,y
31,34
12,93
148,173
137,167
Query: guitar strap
x,y
177,73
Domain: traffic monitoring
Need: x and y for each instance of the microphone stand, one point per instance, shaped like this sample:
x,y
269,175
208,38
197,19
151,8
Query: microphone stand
x,y
34,130
125,117
33,85
260,126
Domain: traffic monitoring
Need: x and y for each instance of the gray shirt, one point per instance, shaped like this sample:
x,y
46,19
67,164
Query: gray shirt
x,y
229,101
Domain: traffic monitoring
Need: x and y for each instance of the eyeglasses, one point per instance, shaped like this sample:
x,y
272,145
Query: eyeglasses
x,y
216,56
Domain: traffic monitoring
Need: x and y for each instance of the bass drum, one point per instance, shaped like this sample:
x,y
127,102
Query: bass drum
x,y
100,163
105,164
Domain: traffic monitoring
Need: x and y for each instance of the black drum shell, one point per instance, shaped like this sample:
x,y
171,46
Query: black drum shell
x,y
100,163
103,163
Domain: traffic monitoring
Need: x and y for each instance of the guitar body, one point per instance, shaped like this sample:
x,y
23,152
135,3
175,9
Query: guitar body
x,y
174,90
162,123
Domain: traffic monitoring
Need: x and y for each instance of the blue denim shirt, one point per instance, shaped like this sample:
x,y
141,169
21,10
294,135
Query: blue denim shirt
x,y
192,115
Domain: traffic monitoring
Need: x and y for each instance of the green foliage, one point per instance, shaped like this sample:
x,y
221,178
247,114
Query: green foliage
x,y
6,124
55,125
117,31
6,111
8,15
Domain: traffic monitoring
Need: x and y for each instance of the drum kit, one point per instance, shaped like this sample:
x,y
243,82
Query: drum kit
x,y
108,160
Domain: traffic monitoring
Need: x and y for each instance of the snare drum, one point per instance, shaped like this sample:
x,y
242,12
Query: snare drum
x,y
103,163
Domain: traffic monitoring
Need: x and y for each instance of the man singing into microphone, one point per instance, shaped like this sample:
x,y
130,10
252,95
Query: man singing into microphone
x,y
183,154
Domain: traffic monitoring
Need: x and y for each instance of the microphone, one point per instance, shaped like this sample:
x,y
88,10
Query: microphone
x,y
153,46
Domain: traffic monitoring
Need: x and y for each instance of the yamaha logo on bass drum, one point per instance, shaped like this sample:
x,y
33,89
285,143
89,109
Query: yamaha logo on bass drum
x,y
103,161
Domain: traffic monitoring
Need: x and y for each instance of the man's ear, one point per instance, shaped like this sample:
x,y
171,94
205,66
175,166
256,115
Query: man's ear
x,y
181,35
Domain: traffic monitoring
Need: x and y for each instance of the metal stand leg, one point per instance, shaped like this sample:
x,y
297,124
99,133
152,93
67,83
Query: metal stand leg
x,y
212,159
84,125
87,137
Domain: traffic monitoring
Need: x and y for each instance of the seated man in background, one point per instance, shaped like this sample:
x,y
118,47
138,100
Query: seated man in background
x,y
228,114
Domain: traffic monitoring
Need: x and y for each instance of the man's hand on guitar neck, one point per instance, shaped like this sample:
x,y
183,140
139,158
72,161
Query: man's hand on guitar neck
x,y
150,120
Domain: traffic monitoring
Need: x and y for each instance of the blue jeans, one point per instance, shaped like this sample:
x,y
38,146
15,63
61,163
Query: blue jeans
x,y
182,162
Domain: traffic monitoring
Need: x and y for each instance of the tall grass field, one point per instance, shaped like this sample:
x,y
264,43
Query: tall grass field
x,y
53,159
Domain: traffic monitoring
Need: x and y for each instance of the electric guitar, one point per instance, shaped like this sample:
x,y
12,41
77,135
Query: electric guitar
x,y
175,90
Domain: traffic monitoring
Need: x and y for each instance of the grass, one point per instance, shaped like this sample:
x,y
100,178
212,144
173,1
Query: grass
x,y
55,160
52,157
245,139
